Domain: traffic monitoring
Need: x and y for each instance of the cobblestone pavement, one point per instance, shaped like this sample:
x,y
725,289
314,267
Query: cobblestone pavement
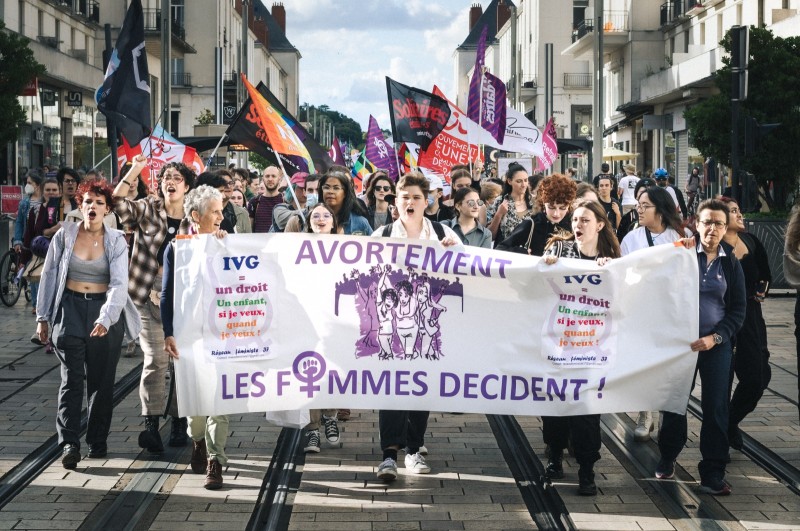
x,y
471,485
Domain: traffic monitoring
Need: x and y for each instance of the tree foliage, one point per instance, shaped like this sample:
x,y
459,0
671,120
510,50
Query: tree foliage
x,y
17,68
346,128
773,96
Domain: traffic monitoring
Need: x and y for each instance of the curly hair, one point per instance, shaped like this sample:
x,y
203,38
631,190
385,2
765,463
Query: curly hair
x,y
196,200
186,172
92,186
556,189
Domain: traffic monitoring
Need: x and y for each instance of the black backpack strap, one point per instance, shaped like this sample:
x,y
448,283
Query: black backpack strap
x,y
387,230
649,237
437,227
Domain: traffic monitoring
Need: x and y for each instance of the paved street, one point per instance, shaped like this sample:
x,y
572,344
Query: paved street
x,y
473,485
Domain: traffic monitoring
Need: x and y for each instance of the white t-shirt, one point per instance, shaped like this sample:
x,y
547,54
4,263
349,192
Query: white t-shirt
x,y
637,239
674,197
628,185
428,232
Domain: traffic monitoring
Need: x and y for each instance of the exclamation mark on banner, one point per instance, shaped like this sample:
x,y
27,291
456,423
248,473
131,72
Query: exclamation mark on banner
x,y
600,387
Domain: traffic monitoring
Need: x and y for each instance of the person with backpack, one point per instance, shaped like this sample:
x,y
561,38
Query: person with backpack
x,y
406,429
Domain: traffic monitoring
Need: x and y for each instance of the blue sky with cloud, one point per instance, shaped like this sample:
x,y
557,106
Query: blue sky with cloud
x,y
348,47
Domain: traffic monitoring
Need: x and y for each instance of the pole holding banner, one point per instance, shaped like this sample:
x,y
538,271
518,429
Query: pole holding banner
x,y
213,153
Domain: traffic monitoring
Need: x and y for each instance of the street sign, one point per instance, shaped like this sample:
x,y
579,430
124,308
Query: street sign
x,y
74,98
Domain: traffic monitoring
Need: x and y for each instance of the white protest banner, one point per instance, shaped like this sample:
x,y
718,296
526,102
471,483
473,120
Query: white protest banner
x,y
287,321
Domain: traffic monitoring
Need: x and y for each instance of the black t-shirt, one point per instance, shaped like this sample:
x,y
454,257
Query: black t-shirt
x,y
173,224
445,213
614,184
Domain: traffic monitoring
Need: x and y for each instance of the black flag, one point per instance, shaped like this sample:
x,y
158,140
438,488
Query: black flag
x,y
248,132
125,95
417,116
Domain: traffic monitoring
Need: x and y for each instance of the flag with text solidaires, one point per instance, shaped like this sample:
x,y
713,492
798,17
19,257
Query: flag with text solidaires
x,y
295,321
417,116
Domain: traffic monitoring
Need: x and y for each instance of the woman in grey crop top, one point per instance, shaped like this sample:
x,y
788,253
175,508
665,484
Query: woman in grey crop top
x,y
83,292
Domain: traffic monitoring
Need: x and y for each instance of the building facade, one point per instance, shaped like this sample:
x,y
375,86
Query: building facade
x,y
205,55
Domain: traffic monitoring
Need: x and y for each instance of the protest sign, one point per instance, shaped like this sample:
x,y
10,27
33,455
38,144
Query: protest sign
x,y
289,321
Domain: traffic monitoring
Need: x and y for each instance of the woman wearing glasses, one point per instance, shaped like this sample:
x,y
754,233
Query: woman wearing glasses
x,y
156,220
378,208
659,223
338,193
468,205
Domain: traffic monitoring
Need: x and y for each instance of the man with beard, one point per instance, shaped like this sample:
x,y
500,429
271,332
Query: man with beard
x,y
260,207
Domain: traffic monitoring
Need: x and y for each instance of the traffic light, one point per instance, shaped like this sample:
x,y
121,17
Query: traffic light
x,y
740,47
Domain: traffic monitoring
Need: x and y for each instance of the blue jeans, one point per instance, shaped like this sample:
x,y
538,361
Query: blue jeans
x,y
714,367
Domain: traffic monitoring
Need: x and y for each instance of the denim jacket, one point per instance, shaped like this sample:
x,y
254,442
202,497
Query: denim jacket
x,y
54,280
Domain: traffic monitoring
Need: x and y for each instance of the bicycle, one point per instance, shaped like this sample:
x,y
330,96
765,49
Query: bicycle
x,y
12,283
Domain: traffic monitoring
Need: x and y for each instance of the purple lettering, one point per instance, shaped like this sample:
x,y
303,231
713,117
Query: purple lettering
x,y
343,252
282,381
536,388
470,383
443,378
484,392
419,380
373,253
503,264
503,386
255,378
429,263
327,258
349,381
306,253
523,382
578,383
383,381
400,381
461,261
394,247
225,394
411,253
241,385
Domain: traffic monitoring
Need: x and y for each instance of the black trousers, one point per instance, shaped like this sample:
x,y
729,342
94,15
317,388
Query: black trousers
x,y
403,428
82,357
750,364
585,430
797,343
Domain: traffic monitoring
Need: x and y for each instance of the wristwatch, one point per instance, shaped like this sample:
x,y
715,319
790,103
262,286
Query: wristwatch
x,y
717,339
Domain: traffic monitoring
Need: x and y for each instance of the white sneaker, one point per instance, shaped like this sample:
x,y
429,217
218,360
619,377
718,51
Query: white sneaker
x,y
416,464
643,427
423,450
387,470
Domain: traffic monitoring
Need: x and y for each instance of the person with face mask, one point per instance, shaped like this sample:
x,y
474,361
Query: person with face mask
x,y
30,200
305,189
436,209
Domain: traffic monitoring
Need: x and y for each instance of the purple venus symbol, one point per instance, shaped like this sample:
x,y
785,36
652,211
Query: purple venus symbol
x,y
309,367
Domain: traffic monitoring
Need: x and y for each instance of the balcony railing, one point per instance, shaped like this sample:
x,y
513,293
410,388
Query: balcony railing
x,y
230,78
152,22
582,80
672,10
181,79
613,21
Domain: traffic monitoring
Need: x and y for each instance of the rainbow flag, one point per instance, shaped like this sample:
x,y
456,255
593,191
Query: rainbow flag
x,y
362,168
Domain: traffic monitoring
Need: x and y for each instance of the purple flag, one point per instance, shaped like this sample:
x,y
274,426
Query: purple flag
x,y
486,104
380,152
474,99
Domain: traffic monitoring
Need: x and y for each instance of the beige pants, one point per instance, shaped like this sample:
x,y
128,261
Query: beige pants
x,y
215,431
153,389
315,415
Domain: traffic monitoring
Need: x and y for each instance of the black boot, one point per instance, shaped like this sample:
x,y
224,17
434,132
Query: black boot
x,y
554,468
178,436
150,438
586,486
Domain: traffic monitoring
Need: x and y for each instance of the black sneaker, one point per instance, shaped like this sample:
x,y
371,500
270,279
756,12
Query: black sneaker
x,y
312,441
586,485
331,429
71,456
665,469
554,470
715,486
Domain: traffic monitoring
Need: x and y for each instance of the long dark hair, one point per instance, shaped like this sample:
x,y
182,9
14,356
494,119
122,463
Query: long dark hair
x,y
514,168
379,175
665,207
607,243
350,203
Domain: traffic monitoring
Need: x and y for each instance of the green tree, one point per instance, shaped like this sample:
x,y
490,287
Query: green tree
x,y
773,96
17,68
257,161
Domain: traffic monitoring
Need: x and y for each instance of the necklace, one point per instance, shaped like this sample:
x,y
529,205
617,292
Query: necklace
x,y
93,238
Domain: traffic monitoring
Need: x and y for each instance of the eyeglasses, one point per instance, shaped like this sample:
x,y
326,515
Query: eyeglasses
x,y
715,224
70,181
173,178
321,215
228,184
328,188
472,203
644,207
383,188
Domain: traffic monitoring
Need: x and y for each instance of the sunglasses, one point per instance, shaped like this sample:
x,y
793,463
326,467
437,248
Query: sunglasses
x,y
472,203
383,188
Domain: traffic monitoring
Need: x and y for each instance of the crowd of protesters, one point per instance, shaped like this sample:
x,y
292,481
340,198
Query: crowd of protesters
x,y
102,259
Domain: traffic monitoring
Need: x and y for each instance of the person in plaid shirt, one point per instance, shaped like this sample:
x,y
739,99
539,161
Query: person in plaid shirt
x,y
155,220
